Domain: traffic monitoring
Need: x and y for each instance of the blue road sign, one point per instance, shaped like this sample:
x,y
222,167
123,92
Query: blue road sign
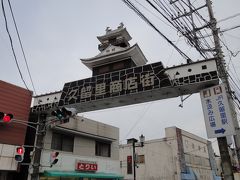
x,y
218,131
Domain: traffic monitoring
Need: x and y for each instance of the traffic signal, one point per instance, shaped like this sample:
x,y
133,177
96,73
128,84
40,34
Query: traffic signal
x,y
64,114
58,113
19,154
5,117
53,158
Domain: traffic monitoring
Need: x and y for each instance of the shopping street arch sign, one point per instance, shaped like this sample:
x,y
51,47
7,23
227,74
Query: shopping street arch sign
x,y
134,85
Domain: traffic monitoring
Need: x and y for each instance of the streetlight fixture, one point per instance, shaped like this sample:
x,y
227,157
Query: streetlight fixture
x,y
134,141
142,139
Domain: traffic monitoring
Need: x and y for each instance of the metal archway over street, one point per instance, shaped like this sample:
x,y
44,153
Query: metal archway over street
x,y
136,85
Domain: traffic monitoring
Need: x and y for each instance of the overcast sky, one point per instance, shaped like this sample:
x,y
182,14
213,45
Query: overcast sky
x,y
57,33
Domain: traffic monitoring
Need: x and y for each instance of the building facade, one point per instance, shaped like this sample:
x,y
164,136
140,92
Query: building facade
x,y
84,148
16,101
180,155
87,150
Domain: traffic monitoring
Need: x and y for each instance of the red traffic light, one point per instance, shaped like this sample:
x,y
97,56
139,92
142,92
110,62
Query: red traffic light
x,y
20,150
19,154
5,117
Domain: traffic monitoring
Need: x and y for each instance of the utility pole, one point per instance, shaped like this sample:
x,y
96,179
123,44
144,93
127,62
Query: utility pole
x,y
222,141
38,145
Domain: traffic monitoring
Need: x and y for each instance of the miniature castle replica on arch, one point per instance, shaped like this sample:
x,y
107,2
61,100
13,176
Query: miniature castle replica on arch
x,y
115,53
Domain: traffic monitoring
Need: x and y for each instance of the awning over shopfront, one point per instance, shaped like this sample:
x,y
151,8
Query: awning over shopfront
x,y
82,174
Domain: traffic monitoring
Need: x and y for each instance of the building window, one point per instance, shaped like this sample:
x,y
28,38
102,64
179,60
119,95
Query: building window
x,y
62,142
102,149
192,145
140,159
204,66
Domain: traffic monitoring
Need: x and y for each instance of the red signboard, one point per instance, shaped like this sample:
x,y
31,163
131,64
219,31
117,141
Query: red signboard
x,y
85,166
129,164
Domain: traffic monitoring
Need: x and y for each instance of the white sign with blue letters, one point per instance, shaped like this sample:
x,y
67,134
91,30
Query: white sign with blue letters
x,y
217,114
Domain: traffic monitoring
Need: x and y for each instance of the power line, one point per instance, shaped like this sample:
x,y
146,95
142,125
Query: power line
x,y
230,17
187,17
11,42
182,21
19,39
142,16
231,28
233,36
169,57
224,31
154,14
236,85
138,120
232,54
235,76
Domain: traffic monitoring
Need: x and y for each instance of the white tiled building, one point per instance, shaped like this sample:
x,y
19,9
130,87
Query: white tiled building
x,y
180,155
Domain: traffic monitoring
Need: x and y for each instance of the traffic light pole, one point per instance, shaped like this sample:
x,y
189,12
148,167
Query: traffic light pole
x,y
222,141
38,145
62,114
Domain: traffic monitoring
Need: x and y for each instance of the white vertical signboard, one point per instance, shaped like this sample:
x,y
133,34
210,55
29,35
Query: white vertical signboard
x,y
217,114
